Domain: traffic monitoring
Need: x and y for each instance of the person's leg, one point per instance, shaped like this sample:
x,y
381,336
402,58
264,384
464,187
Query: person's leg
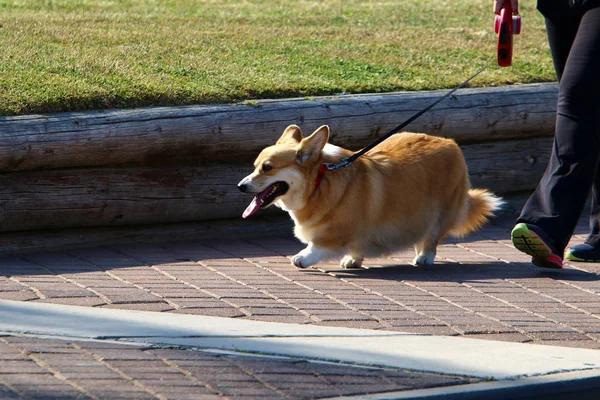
x,y
553,210
594,237
590,249
562,24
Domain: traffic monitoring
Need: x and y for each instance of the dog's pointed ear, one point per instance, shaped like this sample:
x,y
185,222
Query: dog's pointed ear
x,y
291,135
311,147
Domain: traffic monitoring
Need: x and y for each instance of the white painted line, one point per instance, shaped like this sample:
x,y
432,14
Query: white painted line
x,y
30,317
448,355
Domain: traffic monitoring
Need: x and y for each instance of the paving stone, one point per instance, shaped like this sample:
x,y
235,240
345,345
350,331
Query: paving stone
x,y
99,383
271,311
28,380
144,365
229,312
56,392
23,295
415,322
346,316
176,293
20,367
158,306
189,395
564,336
74,301
88,372
299,319
503,337
116,394
424,330
10,286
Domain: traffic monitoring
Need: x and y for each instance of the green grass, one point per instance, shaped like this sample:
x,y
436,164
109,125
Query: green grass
x,y
59,55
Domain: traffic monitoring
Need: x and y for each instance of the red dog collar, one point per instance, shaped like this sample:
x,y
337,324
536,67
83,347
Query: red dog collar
x,y
320,175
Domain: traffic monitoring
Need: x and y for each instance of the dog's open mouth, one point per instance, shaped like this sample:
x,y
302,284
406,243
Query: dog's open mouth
x,y
265,198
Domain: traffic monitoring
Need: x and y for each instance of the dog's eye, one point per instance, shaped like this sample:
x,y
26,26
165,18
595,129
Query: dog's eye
x,y
266,167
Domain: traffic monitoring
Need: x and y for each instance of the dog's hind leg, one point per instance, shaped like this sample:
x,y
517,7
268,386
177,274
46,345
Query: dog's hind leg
x,y
427,255
418,248
426,249
351,261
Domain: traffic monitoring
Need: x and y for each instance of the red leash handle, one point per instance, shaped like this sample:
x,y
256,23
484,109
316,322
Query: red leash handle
x,y
506,25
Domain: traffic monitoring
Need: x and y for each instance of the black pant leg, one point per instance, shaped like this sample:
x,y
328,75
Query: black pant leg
x,y
556,204
594,236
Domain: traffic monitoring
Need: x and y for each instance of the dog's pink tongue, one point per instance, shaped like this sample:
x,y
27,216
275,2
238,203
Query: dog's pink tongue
x,y
252,208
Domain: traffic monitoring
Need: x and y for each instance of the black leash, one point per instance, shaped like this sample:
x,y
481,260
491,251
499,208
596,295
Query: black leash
x,y
349,160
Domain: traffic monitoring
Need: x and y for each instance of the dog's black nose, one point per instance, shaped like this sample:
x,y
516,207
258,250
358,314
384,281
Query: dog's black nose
x,y
242,187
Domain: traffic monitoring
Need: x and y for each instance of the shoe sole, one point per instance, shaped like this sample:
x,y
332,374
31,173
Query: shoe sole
x,y
529,243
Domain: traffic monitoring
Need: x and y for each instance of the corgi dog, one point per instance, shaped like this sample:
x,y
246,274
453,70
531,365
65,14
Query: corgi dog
x,y
411,190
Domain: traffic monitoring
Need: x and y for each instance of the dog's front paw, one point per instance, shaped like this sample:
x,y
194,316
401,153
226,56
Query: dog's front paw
x,y
424,259
350,262
310,256
300,261
304,259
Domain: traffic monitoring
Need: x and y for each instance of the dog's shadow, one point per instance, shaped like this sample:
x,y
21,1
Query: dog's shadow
x,y
443,271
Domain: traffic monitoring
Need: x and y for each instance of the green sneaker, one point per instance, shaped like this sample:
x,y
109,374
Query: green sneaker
x,y
584,252
529,242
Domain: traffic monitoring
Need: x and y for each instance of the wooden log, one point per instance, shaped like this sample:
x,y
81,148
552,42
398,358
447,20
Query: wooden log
x,y
508,166
110,196
50,199
174,135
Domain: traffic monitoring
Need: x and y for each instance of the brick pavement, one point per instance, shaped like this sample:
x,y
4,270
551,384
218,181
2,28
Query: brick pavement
x,y
45,368
480,287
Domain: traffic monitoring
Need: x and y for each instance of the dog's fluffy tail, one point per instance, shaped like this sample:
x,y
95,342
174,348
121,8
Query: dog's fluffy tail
x,y
481,204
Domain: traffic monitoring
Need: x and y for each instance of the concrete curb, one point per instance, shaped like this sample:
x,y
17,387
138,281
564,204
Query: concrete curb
x,y
447,355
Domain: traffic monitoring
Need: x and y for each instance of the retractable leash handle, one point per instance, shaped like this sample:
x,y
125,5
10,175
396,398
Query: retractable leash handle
x,y
506,25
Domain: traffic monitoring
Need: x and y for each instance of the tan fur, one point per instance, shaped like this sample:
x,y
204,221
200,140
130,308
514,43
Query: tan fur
x,y
411,190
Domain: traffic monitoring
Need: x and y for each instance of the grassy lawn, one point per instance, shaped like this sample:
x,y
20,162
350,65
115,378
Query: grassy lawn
x,y
63,55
